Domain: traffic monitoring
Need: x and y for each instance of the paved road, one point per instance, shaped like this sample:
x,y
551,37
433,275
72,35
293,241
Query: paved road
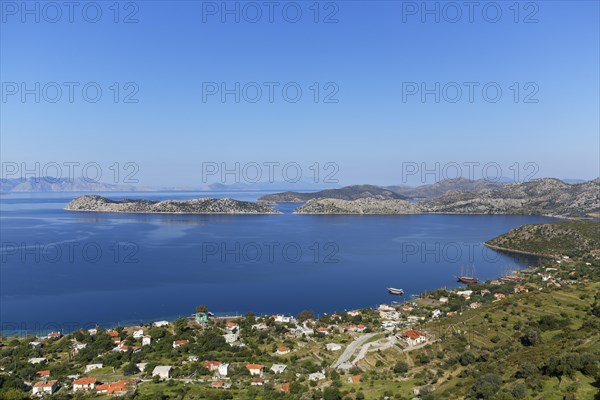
x,y
351,348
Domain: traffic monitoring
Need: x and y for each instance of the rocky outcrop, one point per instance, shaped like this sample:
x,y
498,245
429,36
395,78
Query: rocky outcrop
x,y
195,206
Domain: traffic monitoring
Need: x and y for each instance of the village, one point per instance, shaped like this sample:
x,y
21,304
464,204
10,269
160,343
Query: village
x,y
274,355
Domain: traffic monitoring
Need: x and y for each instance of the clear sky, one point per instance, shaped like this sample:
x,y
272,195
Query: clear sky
x,y
373,61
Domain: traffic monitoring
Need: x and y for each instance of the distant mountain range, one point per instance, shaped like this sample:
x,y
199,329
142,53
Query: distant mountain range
x,y
47,184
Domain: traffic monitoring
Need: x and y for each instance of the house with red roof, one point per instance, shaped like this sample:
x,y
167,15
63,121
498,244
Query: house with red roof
x,y
211,365
283,350
178,343
255,369
414,337
84,384
44,388
44,374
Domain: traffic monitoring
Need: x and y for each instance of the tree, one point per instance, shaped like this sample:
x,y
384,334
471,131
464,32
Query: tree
x,y
519,391
130,369
487,385
331,393
203,309
531,337
401,367
305,315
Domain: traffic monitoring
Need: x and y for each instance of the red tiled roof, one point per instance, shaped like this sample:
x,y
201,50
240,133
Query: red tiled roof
x,y
255,366
413,334
209,364
180,342
45,384
282,349
112,333
84,381
45,372
356,378
217,383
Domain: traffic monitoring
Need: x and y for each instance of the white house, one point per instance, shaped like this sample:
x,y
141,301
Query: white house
x,y
37,345
278,368
160,323
141,366
84,384
231,338
413,337
92,331
146,340
436,313
260,327
91,367
255,369
223,369
333,346
37,360
465,293
283,350
138,334
316,376
193,358
282,318
44,388
162,371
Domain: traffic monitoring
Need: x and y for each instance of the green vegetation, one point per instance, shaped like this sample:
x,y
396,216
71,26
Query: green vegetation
x,y
565,238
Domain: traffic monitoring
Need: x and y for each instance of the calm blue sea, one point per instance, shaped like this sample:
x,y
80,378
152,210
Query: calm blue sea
x,y
64,270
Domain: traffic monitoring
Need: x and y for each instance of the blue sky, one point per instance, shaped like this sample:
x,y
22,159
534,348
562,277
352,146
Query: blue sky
x,y
369,56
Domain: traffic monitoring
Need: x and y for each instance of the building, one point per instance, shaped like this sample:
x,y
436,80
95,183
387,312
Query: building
x,y
278,368
158,324
211,365
91,367
282,319
475,305
179,343
112,333
232,327
44,388
354,379
37,345
146,340
333,346
257,382
414,338
231,338
37,360
138,334
162,371
119,387
316,376
141,366
54,335
499,296
84,384
283,350
255,369
44,374
223,369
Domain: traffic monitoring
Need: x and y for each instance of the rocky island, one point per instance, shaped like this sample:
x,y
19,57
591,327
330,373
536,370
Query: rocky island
x,y
550,197
195,206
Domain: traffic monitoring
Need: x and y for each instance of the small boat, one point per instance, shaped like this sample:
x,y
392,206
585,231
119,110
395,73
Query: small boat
x,y
394,291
